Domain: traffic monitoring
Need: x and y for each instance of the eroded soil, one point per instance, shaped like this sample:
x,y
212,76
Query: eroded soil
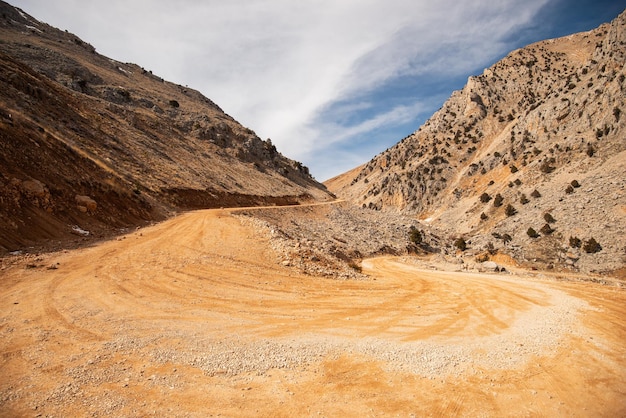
x,y
197,317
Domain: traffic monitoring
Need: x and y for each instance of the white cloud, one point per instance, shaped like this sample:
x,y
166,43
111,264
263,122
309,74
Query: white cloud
x,y
274,65
336,133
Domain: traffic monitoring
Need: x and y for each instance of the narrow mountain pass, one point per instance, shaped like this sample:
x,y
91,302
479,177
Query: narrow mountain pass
x,y
196,316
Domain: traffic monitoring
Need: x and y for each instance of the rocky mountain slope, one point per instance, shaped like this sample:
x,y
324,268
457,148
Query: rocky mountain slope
x,y
527,159
89,144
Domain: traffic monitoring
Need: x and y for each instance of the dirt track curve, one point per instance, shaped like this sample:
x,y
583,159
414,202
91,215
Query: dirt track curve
x,y
196,317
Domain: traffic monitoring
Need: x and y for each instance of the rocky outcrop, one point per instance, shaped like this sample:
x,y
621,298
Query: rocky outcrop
x,y
85,204
541,118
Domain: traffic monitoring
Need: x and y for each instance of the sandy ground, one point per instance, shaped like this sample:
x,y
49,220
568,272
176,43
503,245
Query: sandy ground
x,y
197,317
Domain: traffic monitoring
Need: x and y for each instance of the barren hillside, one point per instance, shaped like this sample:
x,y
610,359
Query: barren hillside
x,y
537,142
89,144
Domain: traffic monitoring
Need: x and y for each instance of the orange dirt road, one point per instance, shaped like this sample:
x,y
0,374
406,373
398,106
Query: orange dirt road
x,y
196,317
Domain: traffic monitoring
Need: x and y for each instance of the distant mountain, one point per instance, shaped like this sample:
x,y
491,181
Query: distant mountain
x,y
89,144
537,142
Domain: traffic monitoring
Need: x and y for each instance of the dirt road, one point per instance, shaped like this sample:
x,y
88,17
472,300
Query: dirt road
x,y
196,317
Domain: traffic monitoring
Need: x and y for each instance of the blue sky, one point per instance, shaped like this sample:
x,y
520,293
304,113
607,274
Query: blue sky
x,y
331,82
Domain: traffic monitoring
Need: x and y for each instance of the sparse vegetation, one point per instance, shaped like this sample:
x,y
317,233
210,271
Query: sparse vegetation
x,y
532,233
591,246
546,229
415,236
575,242
355,266
460,244
509,210
549,218
546,167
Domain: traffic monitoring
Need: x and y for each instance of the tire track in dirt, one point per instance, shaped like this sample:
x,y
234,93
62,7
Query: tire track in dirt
x,y
54,312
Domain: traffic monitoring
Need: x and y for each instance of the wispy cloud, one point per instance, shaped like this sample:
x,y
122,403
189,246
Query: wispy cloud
x,y
312,75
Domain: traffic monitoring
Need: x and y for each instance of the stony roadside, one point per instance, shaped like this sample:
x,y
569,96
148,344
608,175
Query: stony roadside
x,y
331,240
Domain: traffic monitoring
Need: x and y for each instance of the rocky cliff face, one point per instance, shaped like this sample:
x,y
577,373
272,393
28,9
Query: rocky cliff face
x,y
537,141
88,143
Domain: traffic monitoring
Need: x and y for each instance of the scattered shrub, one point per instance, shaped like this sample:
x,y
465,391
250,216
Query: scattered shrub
x,y
415,236
485,198
532,233
355,266
590,150
513,169
483,217
575,184
599,133
546,167
510,210
591,246
523,199
506,238
125,94
546,229
174,103
569,189
575,242
549,218
497,201
460,244
536,194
